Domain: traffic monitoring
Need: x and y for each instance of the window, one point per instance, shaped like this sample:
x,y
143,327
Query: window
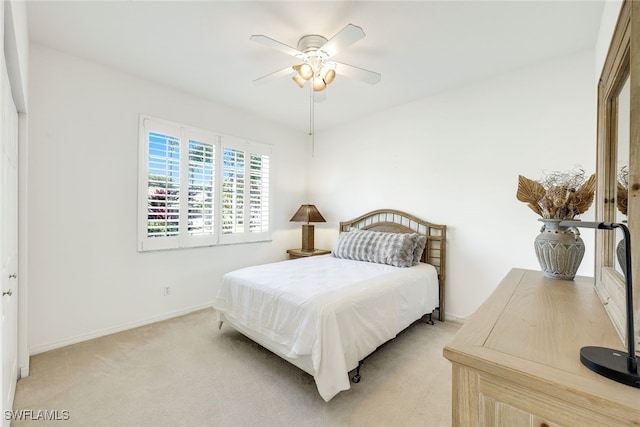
x,y
189,195
245,207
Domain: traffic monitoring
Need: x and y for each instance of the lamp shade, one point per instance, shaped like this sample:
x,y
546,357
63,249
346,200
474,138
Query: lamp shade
x,y
304,70
328,75
318,84
307,213
299,80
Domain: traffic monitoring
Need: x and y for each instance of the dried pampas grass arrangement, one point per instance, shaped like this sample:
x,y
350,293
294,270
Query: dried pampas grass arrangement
x,y
559,195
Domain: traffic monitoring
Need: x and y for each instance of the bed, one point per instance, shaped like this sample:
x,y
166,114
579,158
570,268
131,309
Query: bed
x,y
325,314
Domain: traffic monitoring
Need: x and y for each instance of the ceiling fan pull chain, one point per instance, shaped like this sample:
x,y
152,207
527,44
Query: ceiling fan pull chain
x,y
311,121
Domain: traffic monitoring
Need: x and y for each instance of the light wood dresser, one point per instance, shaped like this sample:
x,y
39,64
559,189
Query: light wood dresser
x,y
516,361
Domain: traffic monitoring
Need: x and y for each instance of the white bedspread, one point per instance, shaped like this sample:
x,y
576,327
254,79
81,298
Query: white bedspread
x,y
336,311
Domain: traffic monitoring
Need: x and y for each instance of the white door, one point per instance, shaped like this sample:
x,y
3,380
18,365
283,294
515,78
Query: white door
x,y
8,242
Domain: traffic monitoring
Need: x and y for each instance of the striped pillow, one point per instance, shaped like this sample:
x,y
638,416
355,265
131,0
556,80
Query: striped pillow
x,y
395,249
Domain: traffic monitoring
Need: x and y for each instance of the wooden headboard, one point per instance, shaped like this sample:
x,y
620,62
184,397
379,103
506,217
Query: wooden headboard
x,y
394,221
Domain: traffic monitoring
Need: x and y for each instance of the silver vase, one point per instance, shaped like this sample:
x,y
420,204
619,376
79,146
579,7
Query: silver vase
x,y
559,250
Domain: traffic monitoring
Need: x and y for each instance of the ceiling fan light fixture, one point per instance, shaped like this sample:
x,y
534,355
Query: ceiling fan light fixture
x,y
328,75
318,84
313,55
299,80
304,70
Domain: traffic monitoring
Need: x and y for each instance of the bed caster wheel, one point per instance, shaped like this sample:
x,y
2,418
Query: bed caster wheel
x,y
356,378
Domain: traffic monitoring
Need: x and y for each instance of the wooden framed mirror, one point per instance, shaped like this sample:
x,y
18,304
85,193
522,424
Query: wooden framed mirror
x,y
618,166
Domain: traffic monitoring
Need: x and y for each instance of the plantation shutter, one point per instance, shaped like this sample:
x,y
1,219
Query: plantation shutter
x,y
201,188
159,185
233,177
245,191
163,203
198,188
259,193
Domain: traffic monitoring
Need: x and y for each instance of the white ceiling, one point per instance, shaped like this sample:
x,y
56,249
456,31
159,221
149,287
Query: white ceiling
x,y
419,47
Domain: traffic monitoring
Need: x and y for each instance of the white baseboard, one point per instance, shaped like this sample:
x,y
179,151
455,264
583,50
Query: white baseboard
x,y
130,325
456,319
108,331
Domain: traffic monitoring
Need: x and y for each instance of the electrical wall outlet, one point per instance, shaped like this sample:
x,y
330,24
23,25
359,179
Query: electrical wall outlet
x,y
167,290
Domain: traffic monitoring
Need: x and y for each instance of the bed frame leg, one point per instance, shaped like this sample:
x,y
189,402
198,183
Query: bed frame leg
x,y
429,319
356,378
220,324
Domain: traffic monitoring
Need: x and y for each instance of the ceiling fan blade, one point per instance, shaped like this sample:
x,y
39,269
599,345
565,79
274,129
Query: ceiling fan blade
x,y
344,38
366,76
275,44
276,74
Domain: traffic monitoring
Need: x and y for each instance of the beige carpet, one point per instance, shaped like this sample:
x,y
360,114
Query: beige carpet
x,y
184,372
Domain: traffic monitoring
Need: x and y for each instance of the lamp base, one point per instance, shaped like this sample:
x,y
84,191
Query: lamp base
x,y
610,363
307,237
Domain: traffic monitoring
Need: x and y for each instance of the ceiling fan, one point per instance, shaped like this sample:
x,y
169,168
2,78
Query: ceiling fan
x,y
313,53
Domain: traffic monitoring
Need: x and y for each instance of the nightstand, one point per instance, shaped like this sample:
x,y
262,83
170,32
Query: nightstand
x,y
299,253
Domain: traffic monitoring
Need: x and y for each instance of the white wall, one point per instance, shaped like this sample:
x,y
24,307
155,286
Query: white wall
x,y
85,276
454,158
451,158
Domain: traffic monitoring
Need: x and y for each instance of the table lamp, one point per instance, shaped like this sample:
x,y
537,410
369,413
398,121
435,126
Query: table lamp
x,y
307,213
608,362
